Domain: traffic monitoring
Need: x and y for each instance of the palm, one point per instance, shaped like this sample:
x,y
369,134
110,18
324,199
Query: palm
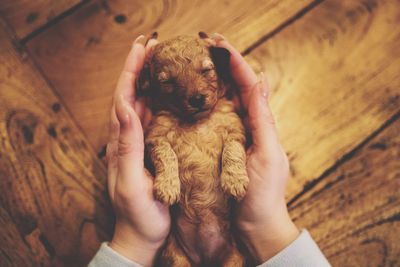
x,y
142,211
266,187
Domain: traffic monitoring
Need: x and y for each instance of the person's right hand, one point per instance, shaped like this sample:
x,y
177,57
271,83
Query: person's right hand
x,y
262,216
142,222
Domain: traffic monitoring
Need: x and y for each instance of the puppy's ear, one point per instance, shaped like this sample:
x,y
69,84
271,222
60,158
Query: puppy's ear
x,y
221,58
143,81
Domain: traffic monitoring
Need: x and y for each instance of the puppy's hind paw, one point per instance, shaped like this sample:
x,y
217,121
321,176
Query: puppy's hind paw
x,y
167,191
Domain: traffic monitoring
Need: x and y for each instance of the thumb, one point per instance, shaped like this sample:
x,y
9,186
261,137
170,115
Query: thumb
x,y
261,120
130,143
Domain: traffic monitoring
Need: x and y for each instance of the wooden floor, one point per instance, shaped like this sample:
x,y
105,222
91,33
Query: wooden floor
x,y
334,68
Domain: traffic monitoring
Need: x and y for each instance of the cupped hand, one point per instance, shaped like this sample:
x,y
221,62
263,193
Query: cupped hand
x,y
262,216
142,223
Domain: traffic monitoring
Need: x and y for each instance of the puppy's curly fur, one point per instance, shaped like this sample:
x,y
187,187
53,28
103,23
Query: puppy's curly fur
x,y
196,145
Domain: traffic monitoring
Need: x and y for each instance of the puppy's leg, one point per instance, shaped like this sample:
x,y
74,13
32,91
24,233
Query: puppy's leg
x,y
234,258
234,179
166,184
173,256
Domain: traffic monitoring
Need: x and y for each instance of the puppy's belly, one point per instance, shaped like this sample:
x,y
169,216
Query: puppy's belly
x,y
203,210
203,242
201,220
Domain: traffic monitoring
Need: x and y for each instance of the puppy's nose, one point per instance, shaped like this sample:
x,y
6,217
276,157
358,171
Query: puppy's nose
x,y
197,101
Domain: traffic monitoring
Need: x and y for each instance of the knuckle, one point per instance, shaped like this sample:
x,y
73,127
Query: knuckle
x,y
262,159
110,154
123,195
270,119
124,147
114,127
278,160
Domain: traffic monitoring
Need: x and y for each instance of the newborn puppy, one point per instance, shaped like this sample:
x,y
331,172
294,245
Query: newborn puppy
x,y
196,145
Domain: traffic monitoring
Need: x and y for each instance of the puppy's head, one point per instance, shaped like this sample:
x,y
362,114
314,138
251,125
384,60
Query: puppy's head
x,y
185,76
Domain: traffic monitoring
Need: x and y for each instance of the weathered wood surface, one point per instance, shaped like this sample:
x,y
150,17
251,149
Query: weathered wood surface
x,y
84,64
354,213
334,75
13,251
26,16
53,200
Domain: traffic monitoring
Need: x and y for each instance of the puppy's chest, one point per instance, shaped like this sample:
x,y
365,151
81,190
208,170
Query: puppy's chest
x,y
199,143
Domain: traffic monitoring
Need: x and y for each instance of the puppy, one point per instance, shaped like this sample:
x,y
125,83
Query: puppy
x,y
196,145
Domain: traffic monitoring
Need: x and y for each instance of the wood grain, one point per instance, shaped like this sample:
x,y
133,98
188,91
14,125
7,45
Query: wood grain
x,y
53,199
13,251
84,64
334,78
26,16
354,213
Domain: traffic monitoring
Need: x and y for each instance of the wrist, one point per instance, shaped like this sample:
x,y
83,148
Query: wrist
x,y
265,240
131,245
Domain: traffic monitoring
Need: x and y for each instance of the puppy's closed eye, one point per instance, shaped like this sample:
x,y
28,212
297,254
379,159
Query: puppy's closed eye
x,y
207,67
163,77
166,82
206,71
169,81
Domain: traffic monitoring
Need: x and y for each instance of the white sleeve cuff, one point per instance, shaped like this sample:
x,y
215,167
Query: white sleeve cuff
x,y
302,252
107,257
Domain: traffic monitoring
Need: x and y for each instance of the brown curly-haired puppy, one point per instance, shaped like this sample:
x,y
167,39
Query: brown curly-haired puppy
x,y
196,145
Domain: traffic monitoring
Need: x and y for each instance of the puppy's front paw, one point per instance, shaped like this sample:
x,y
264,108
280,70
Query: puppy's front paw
x,y
235,184
167,189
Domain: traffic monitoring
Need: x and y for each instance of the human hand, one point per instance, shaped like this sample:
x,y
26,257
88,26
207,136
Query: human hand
x,y
142,223
262,216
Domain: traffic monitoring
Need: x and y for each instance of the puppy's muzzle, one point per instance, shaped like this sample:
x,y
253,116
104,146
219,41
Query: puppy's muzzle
x,y
197,101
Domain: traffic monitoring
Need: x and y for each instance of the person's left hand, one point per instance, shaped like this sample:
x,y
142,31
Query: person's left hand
x,y
262,217
142,223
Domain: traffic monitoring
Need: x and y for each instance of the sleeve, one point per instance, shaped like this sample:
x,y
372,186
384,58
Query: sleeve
x,y
302,252
107,257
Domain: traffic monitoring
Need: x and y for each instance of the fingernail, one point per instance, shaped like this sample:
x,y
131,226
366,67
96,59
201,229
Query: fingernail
x,y
203,35
122,110
218,37
139,40
154,35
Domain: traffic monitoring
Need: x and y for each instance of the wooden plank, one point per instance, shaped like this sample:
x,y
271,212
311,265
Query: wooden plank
x,y
13,250
334,76
51,183
83,54
354,213
26,16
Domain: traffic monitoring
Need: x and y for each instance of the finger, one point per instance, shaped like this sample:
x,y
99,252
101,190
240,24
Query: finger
x,y
130,143
237,104
242,73
206,38
139,106
151,42
261,121
131,70
112,152
148,115
143,112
